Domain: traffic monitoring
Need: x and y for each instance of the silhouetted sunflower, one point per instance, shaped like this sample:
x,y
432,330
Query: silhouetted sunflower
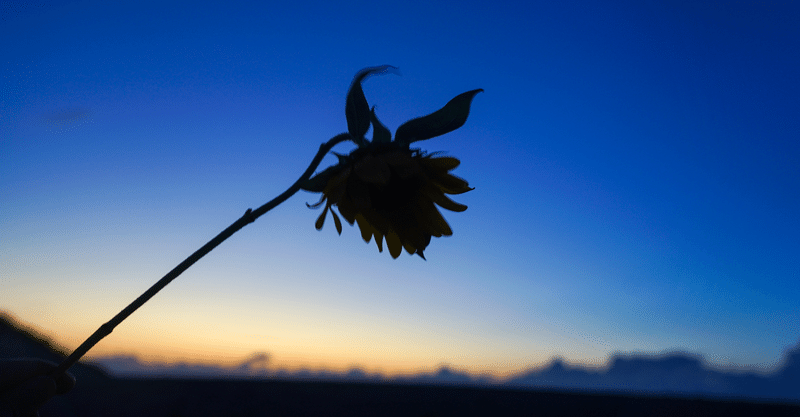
x,y
386,187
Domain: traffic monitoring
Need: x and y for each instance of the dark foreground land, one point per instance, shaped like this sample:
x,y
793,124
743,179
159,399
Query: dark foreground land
x,y
175,397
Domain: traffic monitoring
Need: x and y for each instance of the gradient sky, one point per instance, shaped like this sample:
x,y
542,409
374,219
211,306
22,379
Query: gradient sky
x,y
635,164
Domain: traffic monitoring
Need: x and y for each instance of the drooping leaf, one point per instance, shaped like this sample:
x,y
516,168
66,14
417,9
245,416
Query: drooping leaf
x,y
356,108
380,134
447,119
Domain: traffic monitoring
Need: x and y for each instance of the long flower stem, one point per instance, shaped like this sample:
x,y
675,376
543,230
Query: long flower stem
x,y
248,217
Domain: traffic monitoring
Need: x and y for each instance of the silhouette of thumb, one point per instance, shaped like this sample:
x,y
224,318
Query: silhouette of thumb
x,y
25,399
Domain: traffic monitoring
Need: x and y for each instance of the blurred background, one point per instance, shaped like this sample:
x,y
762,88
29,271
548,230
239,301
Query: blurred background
x,y
635,169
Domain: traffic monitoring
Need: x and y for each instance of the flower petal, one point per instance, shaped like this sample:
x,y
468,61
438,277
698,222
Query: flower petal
x,y
393,242
377,221
438,197
430,216
318,203
447,119
416,238
347,210
445,163
336,188
409,247
337,222
366,229
451,184
437,219
321,219
379,241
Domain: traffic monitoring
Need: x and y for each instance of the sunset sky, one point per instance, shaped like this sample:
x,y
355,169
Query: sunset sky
x,y
636,169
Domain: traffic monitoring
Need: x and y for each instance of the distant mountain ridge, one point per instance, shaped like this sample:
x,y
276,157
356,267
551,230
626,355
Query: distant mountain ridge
x,y
672,374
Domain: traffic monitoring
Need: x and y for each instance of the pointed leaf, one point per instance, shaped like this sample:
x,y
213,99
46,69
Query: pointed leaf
x,y
447,119
380,134
356,108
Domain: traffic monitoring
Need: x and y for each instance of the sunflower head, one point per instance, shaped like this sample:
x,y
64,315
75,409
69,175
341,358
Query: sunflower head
x,y
388,188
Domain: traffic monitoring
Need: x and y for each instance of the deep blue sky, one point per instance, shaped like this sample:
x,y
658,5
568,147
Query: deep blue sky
x,y
635,169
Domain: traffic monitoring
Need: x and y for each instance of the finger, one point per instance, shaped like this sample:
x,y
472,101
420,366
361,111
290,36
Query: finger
x,y
64,382
24,369
17,371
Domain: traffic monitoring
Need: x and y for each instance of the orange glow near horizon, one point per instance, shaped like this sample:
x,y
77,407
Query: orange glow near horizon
x,y
289,354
